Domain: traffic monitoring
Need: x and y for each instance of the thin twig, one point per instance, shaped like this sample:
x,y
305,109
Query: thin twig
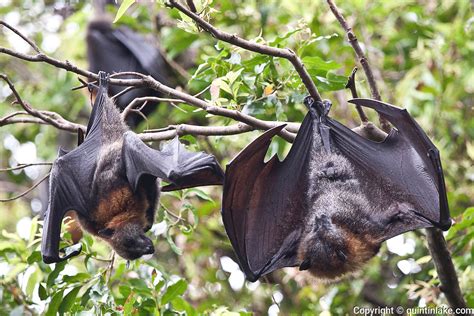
x,y
127,89
384,124
22,166
26,39
27,191
351,85
202,91
13,115
254,47
51,118
138,101
22,120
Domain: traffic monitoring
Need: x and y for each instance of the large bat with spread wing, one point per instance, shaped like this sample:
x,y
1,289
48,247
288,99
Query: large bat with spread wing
x,y
110,181
335,198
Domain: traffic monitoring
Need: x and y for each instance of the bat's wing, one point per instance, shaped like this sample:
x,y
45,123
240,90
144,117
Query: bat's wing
x,y
404,168
263,206
174,164
147,55
70,182
119,50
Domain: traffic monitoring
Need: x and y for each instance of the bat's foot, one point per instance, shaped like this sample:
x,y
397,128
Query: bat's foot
x,y
322,108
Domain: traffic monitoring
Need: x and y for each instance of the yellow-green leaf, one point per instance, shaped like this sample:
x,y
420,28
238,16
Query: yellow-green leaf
x,y
123,8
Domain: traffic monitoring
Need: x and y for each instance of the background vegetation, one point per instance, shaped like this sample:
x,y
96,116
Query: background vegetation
x,y
423,54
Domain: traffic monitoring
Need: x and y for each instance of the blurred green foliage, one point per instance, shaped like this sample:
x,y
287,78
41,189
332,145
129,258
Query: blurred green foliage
x,y
423,56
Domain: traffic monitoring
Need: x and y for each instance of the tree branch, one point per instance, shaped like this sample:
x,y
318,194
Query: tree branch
x,y
254,47
143,81
26,165
384,124
48,117
186,129
351,85
445,268
26,192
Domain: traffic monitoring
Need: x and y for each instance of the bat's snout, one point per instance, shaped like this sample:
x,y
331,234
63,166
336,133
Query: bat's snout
x,y
149,250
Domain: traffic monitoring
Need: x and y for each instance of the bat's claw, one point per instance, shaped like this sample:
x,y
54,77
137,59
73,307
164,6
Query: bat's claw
x,y
322,107
69,252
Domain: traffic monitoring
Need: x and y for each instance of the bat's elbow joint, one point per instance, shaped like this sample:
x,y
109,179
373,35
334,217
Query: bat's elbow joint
x,y
174,176
445,225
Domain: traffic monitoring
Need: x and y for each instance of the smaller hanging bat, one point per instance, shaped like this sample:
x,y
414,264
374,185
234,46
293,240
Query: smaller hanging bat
x,y
335,198
123,50
110,181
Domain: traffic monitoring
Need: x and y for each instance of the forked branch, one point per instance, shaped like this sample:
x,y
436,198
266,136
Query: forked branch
x,y
253,46
384,124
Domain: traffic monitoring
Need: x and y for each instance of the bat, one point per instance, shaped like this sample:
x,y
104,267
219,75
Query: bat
x,y
123,50
110,181
329,205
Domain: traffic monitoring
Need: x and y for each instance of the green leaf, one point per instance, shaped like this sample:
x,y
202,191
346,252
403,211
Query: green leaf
x,y
172,244
128,307
34,257
123,8
54,304
42,293
68,300
159,285
316,62
34,279
280,39
181,305
173,291
76,278
54,274
200,193
33,229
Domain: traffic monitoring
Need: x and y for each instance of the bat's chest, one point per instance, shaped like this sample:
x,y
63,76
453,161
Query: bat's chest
x,y
121,205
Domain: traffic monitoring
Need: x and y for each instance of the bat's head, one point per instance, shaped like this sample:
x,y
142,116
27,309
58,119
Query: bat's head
x,y
129,241
329,251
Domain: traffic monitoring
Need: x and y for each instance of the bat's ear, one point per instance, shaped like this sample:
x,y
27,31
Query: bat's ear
x,y
106,233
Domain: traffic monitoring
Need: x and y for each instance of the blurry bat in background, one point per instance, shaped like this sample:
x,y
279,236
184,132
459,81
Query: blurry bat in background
x,y
120,50
110,181
335,198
